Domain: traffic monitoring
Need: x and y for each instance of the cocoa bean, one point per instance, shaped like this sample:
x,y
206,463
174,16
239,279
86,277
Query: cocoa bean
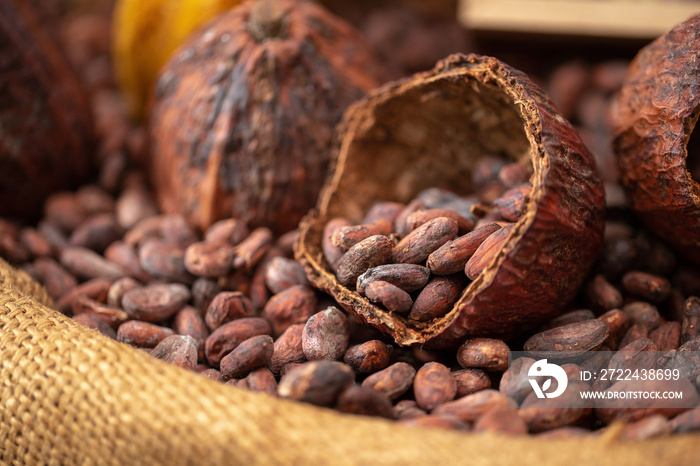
x,y
393,298
371,252
250,354
96,232
87,264
155,303
453,256
690,325
288,348
316,382
209,260
203,292
35,242
416,246
96,289
408,277
226,338
393,381
634,333
434,386
383,210
567,409
188,321
406,409
618,323
292,306
688,421
227,306
96,324
357,399
114,316
435,422
401,221
471,407
325,335
126,257
118,289
368,357
64,210
646,428
515,381
331,252
261,380
602,295
487,251
438,297
133,205
250,251
514,174
346,237
470,381
212,374
501,421
228,231
571,317
667,337
581,336
179,350
643,314
420,217
282,273
512,203
95,200
647,286
56,279
142,334
164,260
484,353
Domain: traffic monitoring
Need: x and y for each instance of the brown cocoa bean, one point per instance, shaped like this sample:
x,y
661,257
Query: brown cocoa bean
x,y
393,381
292,306
250,354
227,306
331,252
453,256
96,232
393,298
368,253
188,321
438,297
643,314
690,323
634,333
64,210
142,334
126,257
261,380
401,221
368,357
357,399
484,353
567,409
35,242
618,323
406,409
316,382
647,286
203,292
383,211
434,386
570,317
212,374
282,273
96,324
515,380
209,260
228,231
133,205
416,246
56,279
501,421
55,237
487,251
420,217
250,251
155,303
346,237
408,277
87,264
288,348
514,174
95,200
164,260
226,338
471,407
470,381
114,316
96,289
667,337
118,289
179,350
325,335
581,336
511,204
602,295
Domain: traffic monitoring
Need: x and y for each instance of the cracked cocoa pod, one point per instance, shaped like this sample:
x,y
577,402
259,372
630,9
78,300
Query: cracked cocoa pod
x,y
430,130
46,130
243,114
659,106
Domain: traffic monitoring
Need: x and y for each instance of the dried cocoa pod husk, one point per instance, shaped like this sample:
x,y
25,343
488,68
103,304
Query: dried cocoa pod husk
x,y
430,130
47,132
659,106
243,114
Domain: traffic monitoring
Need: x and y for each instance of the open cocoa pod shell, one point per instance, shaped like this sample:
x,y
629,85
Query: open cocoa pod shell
x,y
430,130
659,106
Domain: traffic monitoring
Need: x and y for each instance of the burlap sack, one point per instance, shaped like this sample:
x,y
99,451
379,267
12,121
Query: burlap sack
x,y
69,395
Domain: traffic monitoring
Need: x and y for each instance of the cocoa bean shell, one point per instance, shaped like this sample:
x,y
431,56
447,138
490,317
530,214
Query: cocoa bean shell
x,y
658,110
387,151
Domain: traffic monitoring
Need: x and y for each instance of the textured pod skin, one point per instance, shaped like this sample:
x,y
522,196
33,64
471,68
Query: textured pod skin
x,y
469,105
657,114
46,132
242,125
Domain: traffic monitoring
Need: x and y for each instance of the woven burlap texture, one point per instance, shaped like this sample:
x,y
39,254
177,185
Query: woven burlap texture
x,y
71,396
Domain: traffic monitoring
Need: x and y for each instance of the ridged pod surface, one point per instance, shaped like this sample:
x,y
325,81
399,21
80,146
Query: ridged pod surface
x,y
658,109
429,130
243,115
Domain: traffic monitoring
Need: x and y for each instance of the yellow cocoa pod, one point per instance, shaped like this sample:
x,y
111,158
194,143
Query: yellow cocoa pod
x,y
146,32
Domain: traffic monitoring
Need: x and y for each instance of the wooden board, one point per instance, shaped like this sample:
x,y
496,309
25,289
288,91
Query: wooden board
x,y
645,19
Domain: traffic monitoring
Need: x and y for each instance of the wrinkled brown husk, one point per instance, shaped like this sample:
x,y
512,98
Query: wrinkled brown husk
x,y
243,128
429,130
46,133
657,114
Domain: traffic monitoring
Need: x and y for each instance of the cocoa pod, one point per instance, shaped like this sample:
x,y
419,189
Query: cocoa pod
x,y
652,132
551,247
267,174
48,135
